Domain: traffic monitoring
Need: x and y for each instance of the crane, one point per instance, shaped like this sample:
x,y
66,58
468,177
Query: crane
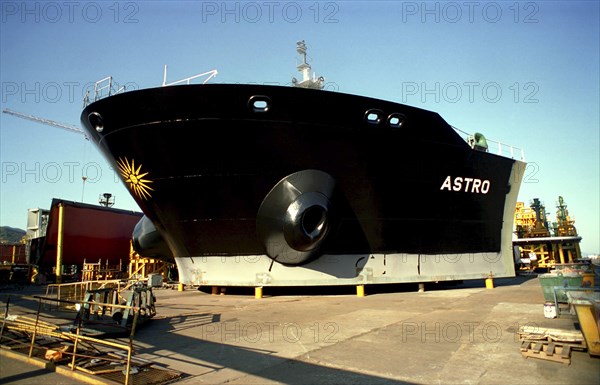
x,y
49,122
53,123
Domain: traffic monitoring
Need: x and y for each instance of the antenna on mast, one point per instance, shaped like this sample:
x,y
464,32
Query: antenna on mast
x,y
106,200
304,68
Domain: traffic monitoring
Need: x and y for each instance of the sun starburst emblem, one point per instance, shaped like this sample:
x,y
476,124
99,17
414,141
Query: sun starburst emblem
x,y
135,178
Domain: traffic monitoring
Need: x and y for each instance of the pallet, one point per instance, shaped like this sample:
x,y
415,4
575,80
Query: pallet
x,y
548,350
574,337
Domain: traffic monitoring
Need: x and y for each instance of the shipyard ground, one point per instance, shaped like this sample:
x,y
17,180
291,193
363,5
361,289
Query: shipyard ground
x,y
447,335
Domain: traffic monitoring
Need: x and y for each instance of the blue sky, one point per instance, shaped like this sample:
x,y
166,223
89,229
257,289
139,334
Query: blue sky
x,y
523,73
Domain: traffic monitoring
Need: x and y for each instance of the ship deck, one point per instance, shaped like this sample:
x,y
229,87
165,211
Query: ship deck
x,y
465,334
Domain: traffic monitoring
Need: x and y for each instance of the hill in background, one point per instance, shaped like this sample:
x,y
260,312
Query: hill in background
x,y
11,234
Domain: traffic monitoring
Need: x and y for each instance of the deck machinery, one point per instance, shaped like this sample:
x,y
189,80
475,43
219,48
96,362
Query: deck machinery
x,y
542,244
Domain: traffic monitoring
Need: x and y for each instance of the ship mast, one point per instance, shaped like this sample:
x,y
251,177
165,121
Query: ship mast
x,y
304,68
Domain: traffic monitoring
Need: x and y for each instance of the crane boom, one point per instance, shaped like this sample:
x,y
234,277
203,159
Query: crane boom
x,y
49,122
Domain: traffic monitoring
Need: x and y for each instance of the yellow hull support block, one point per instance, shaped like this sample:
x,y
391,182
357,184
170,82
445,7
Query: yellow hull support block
x,y
360,290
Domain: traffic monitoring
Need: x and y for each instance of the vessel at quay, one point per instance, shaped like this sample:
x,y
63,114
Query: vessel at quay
x,y
261,185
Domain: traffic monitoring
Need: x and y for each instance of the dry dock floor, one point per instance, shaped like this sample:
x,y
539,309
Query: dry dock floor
x,y
461,335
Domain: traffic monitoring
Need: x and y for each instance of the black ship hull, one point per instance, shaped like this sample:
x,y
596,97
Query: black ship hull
x,y
296,174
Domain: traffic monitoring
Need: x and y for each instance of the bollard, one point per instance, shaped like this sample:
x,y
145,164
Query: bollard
x,y
360,290
421,288
180,287
489,281
258,292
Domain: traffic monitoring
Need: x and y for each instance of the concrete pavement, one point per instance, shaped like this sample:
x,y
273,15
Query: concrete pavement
x,y
394,335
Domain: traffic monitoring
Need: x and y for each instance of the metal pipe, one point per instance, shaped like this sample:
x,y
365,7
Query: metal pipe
x,y
76,342
561,253
5,315
87,303
37,319
59,242
130,347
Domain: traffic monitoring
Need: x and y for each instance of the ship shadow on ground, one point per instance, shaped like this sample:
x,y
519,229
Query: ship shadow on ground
x,y
24,302
258,363
370,289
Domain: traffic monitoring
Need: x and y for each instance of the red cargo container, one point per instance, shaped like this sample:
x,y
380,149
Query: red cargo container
x,y
90,232
12,253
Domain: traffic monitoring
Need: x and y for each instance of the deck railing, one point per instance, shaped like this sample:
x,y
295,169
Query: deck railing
x,y
508,150
209,75
498,148
107,87
102,89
